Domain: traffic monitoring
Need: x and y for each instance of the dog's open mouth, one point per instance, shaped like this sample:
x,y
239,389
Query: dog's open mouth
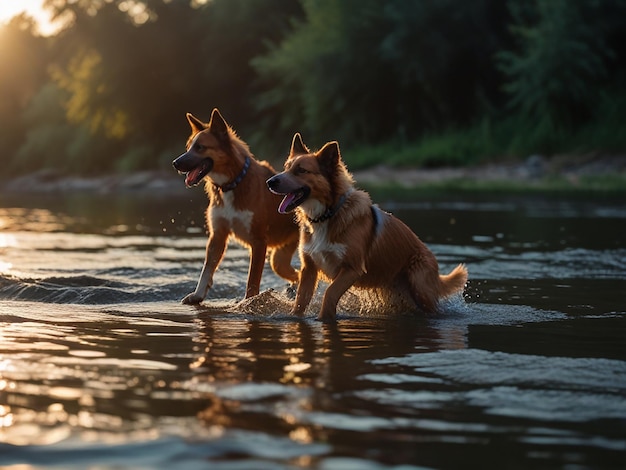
x,y
195,175
293,200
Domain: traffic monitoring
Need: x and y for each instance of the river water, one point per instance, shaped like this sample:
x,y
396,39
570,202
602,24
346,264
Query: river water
x,y
101,367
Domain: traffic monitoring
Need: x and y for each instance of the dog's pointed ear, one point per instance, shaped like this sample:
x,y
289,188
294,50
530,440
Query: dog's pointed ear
x,y
218,126
196,124
297,146
328,157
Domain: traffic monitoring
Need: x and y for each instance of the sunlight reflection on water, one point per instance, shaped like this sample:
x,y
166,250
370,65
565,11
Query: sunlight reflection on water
x,y
101,365
6,240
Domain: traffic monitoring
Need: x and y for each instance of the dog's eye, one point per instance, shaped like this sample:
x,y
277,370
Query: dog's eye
x,y
301,171
200,147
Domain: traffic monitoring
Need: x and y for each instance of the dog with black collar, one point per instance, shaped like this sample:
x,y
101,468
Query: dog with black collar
x,y
349,241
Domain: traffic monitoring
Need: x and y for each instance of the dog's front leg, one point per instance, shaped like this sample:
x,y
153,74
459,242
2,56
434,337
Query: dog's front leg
x,y
342,282
306,286
258,250
215,248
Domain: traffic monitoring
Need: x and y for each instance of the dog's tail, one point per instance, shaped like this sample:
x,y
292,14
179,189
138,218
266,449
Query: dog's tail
x,y
453,282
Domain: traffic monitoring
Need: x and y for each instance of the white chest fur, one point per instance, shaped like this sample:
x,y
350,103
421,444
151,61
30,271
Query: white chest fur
x,y
327,255
235,218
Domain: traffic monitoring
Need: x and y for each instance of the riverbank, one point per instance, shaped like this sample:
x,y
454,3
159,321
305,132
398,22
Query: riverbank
x,y
596,173
535,173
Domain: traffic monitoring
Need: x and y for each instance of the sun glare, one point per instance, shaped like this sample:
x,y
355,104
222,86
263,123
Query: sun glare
x,y
6,241
34,9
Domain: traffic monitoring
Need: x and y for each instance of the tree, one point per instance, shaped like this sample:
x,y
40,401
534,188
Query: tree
x,y
366,71
23,56
442,55
132,73
325,77
561,61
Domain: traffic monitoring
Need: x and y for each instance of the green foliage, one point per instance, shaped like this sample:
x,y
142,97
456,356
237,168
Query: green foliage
x,y
91,101
324,70
130,79
23,72
561,62
365,71
51,142
452,148
432,82
493,139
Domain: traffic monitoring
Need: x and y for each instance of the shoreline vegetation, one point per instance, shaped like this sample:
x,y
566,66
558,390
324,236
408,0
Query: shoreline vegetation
x,y
536,173
448,93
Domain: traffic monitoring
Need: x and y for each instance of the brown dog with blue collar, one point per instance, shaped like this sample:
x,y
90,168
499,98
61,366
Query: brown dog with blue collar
x,y
239,204
352,242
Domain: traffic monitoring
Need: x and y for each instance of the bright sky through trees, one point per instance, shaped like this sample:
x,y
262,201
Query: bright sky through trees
x,y
33,8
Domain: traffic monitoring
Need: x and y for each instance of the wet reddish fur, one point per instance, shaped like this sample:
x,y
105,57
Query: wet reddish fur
x,y
392,257
268,229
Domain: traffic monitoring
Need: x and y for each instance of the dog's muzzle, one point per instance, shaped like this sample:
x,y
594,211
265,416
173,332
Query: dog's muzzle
x,y
294,195
274,184
194,167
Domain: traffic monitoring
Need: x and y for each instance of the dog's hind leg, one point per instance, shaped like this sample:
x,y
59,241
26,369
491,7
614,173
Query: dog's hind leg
x,y
424,284
280,261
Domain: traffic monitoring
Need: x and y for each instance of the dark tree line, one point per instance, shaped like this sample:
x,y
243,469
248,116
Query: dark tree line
x,y
110,91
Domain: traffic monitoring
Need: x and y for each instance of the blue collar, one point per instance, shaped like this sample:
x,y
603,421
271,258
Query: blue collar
x,y
234,183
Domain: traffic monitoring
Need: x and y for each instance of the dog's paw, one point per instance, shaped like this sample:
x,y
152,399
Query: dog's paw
x,y
192,299
328,319
291,290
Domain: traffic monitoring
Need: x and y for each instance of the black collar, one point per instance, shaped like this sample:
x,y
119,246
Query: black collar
x,y
234,183
330,211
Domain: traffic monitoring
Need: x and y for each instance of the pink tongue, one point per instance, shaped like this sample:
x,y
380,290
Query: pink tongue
x,y
288,199
192,175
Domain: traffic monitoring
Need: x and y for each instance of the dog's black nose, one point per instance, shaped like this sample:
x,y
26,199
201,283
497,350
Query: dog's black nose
x,y
185,162
175,163
273,182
